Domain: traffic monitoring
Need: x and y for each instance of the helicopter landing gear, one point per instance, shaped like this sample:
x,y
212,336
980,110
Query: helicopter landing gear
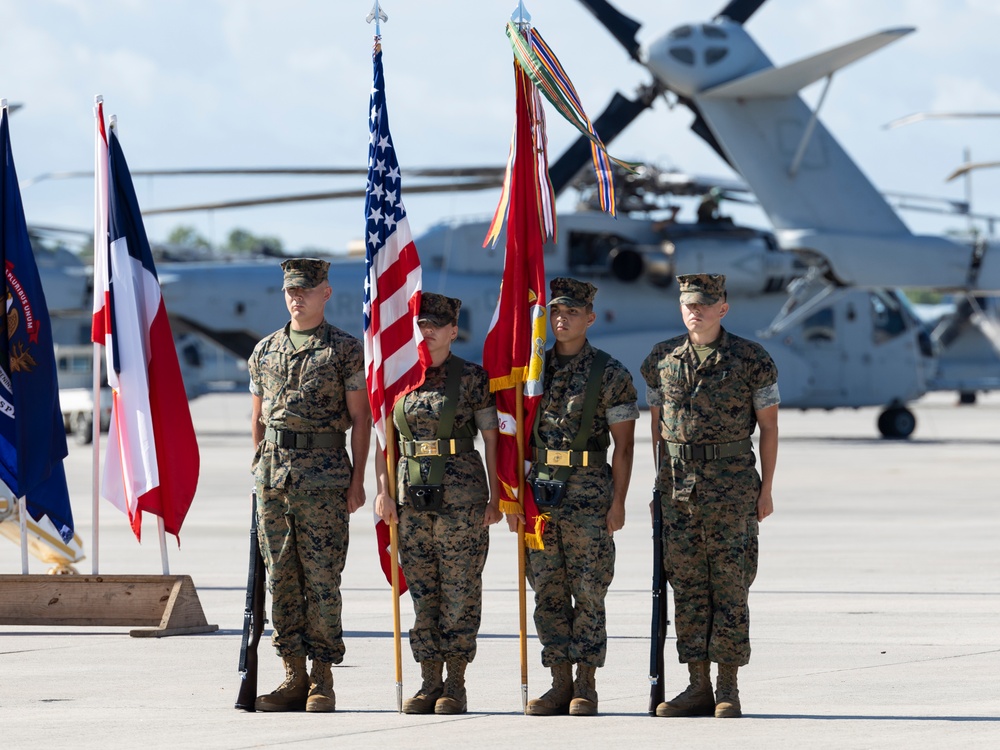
x,y
897,422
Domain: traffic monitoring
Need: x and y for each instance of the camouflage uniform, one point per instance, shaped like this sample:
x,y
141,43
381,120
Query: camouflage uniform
x,y
571,575
709,506
443,552
302,508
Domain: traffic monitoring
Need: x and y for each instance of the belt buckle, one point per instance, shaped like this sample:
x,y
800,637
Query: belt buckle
x,y
426,448
557,458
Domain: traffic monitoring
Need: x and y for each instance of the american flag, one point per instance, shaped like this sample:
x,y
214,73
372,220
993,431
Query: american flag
x,y
395,354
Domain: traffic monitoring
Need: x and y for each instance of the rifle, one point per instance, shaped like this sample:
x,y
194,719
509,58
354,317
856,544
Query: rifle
x,y
658,629
253,619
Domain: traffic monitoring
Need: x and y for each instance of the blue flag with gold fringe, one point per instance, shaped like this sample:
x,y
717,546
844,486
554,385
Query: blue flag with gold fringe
x,y
32,435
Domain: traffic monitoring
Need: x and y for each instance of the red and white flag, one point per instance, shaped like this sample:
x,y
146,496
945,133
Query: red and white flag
x,y
152,461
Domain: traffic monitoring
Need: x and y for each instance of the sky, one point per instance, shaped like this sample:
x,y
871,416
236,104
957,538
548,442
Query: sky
x,y
248,83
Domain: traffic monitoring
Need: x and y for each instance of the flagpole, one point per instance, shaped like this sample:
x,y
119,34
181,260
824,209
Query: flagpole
x,y
22,515
163,545
95,511
522,593
390,467
95,478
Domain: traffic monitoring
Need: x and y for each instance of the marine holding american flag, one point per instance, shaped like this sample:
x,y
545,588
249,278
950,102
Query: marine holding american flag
x,y
446,503
307,383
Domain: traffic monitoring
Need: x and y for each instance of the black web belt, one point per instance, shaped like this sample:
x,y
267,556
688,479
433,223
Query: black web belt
x,y
286,439
571,458
708,451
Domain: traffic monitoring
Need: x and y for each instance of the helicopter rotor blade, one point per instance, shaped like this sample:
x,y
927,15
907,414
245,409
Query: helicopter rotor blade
x,y
617,23
739,11
334,195
432,172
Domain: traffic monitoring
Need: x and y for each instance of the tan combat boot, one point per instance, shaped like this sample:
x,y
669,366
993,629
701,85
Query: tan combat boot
x,y
291,694
453,697
322,699
584,701
556,700
727,695
423,702
697,699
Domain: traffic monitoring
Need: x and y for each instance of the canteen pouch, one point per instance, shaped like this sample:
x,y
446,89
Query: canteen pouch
x,y
548,492
426,497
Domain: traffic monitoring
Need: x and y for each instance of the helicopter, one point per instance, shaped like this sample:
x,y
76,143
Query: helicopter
x,y
841,338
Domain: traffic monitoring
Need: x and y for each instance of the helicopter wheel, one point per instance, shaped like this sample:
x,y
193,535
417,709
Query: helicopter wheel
x,y
897,422
966,398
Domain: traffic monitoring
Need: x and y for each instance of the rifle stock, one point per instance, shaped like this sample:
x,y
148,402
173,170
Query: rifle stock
x,y
658,627
253,619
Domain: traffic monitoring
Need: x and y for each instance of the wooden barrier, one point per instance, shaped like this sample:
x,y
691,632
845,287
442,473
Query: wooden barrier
x,y
166,605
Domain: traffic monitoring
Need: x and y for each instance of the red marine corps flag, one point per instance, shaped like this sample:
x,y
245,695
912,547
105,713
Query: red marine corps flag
x,y
515,345
152,463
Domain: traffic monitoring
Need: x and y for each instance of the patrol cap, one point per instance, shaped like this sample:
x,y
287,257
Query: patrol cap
x,y
572,293
438,310
702,288
305,273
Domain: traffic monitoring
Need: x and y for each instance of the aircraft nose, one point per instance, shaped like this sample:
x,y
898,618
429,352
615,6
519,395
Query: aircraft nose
x,y
697,56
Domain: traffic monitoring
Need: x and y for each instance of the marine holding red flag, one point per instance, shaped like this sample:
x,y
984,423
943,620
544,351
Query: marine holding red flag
x,y
584,399
32,436
153,462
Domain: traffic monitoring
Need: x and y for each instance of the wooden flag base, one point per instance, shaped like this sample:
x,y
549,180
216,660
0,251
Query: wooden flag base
x,y
165,605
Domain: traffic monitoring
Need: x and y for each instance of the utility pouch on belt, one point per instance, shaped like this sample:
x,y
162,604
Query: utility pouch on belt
x,y
449,442
426,497
552,468
548,492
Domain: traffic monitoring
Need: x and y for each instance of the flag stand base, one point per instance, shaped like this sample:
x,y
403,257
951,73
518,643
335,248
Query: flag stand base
x,y
163,605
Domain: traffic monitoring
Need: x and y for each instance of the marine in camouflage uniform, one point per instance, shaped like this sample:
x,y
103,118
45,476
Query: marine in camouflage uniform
x,y
707,392
444,550
308,389
571,575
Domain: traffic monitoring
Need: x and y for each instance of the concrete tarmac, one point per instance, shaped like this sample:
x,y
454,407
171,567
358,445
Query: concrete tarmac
x,y
876,614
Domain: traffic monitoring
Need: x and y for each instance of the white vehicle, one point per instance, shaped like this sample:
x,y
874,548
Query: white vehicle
x,y
74,365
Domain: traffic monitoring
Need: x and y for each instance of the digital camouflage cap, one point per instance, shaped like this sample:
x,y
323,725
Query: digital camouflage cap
x,y
572,293
439,310
305,273
702,288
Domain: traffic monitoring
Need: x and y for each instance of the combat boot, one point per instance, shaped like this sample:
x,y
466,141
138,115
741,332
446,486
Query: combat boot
x,y
453,697
697,699
291,694
727,694
423,702
322,699
584,701
556,700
